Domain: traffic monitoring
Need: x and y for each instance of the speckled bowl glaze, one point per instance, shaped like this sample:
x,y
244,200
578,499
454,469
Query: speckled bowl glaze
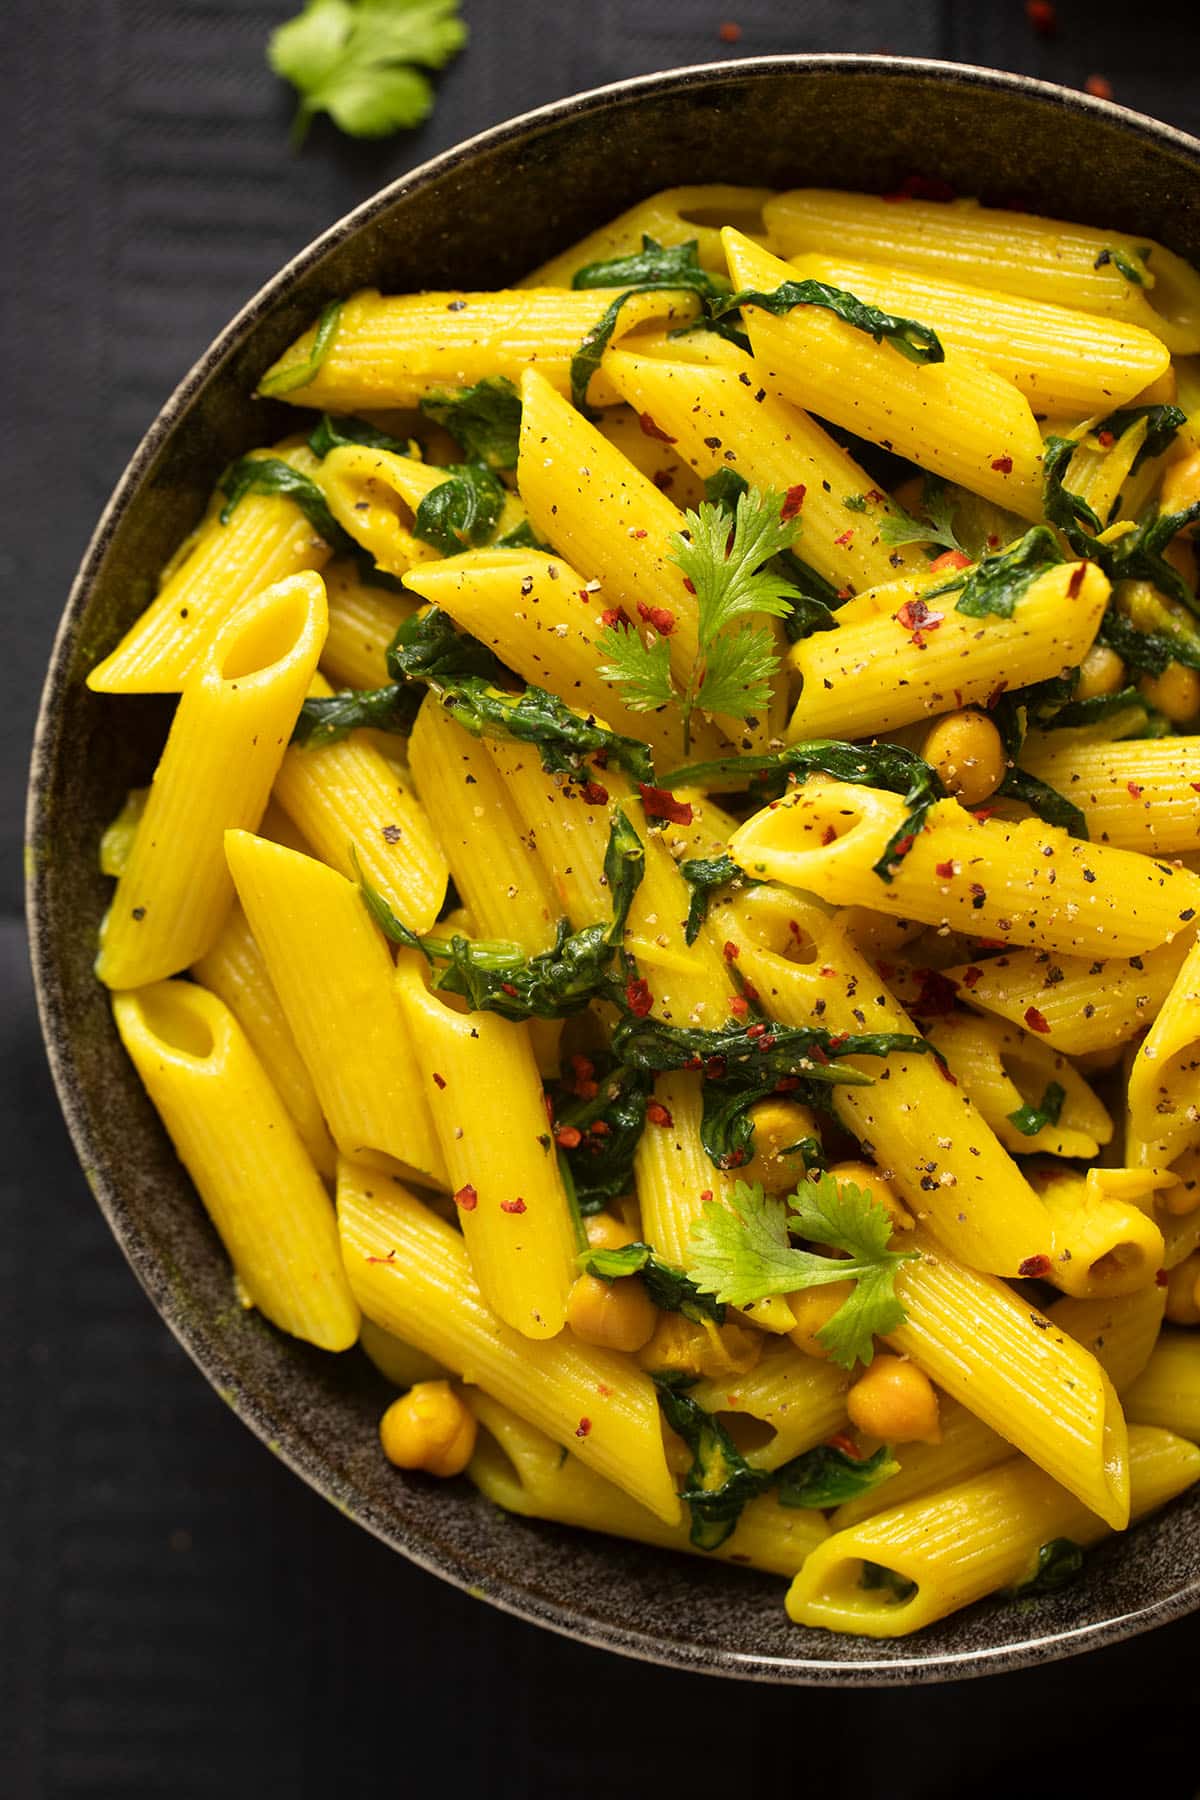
x,y
476,217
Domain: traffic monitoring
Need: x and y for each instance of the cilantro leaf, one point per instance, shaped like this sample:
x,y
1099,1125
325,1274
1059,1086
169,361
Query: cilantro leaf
x,y
937,525
485,419
743,1251
1030,1119
643,669
354,59
667,1286
827,1476
737,673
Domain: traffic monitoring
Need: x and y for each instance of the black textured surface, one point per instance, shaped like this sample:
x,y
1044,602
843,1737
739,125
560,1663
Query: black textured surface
x,y
184,1617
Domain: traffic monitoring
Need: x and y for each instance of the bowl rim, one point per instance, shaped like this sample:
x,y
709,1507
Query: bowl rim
x,y
271,1427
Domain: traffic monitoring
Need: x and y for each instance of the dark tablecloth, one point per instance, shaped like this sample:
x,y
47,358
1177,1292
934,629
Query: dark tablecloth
x,y
179,1616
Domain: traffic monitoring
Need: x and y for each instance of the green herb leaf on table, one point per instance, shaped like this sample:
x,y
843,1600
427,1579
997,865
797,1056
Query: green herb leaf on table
x,y
485,419
742,1252
667,1286
1030,1119
360,61
917,343
827,1476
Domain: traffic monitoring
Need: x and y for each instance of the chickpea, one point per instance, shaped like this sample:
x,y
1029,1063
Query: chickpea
x,y
1176,692
778,1126
1183,1307
895,1401
606,1232
867,1175
616,1315
812,1309
1100,672
1181,484
429,1428
966,750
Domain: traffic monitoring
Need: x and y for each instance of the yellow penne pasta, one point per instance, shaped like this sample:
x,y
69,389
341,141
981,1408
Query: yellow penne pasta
x,y
410,1272
956,418
1012,252
221,567
240,1147
482,1086
967,1541
674,216
885,667
524,1471
1143,794
116,840
358,814
507,892
643,446
234,970
799,1400
1167,1393
333,975
1008,1072
1164,1081
397,1361
1027,1379
363,620
922,1130
392,350
1103,1243
226,742
723,418
1062,360
1027,883
1081,1005
1187,398
374,495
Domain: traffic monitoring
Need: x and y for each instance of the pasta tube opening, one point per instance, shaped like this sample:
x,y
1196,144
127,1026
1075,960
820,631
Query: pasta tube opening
x,y
184,1021
260,638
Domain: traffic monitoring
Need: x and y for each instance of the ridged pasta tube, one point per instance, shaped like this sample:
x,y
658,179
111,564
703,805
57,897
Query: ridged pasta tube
x,y
1142,794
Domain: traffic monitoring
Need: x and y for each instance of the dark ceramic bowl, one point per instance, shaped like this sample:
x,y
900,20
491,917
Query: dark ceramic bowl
x,y
477,217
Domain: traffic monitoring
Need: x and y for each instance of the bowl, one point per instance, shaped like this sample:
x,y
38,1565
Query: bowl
x,y
476,217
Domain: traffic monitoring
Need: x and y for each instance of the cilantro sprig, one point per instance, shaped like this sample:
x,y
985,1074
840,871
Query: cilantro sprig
x,y
743,1251
360,61
935,528
724,567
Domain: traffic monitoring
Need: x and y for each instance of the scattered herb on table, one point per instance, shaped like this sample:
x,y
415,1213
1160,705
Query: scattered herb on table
x,y
360,61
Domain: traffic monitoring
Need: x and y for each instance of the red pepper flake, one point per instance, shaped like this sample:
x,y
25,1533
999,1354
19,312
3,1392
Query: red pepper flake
x,y
739,1006
689,584
641,532
658,1114
846,1444
638,997
828,836
603,1389
947,870
903,846
1042,17
1003,465
756,1030
568,1137
949,559
660,803
715,1067
1076,581
583,1428
944,1070
845,593
793,500
818,1055
937,994
466,1198
1035,1267
993,540
729,32
660,617
594,793
506,987
839,1040
513,1206
846,539
654,431
1099,86
971,976
917,617
874,495
1134,789
982,813
751,992
439,1080
1106,439
730,950
1195,786
599,1128
992,944
993,699
1035,1020
616,615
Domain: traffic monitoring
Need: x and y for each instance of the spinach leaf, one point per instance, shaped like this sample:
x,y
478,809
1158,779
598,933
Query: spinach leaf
x,y
1067,511
720,1480
655,269
1059,1563
521,537
461,511
1029,1119
1045,801
1099,707
1162,423
704,875
1123,263
271,475
330,718
1138,556
827,1476
333,432
996,582
667,1286
918,343
608,1125
485,419
1149,652
299,374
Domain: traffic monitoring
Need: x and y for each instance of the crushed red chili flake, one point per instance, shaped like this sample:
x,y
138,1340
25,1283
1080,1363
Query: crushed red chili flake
x,y
658,1114
568,1137
971,976
689,584
1002,465
1135,789
787,1084
917,617
507,987
513,1206
641,532
1036,1020
903,846
730,950
946,869
706,1195
828,836
874,495
845,593
1099,86
638,997
756,1030
1035,1266
937,993
793,500
599,1128
466,1198
614,616
818,1055
982,813
660,803
583,1428
1042,17
662,619
842,1441
1076,581
654,431
1195,786
993,699
992,943
715,1067
594,793
846,538
944,1070
739,1006
949,559
1106,439
603,1389
439,1080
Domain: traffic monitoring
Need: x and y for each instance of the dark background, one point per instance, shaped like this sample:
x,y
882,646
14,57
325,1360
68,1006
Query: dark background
x,y
179,1616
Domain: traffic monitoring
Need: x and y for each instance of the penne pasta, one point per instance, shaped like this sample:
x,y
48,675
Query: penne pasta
x,y
675,216
1167,1392
363,620
1163,1095
1011,1076
1142,794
